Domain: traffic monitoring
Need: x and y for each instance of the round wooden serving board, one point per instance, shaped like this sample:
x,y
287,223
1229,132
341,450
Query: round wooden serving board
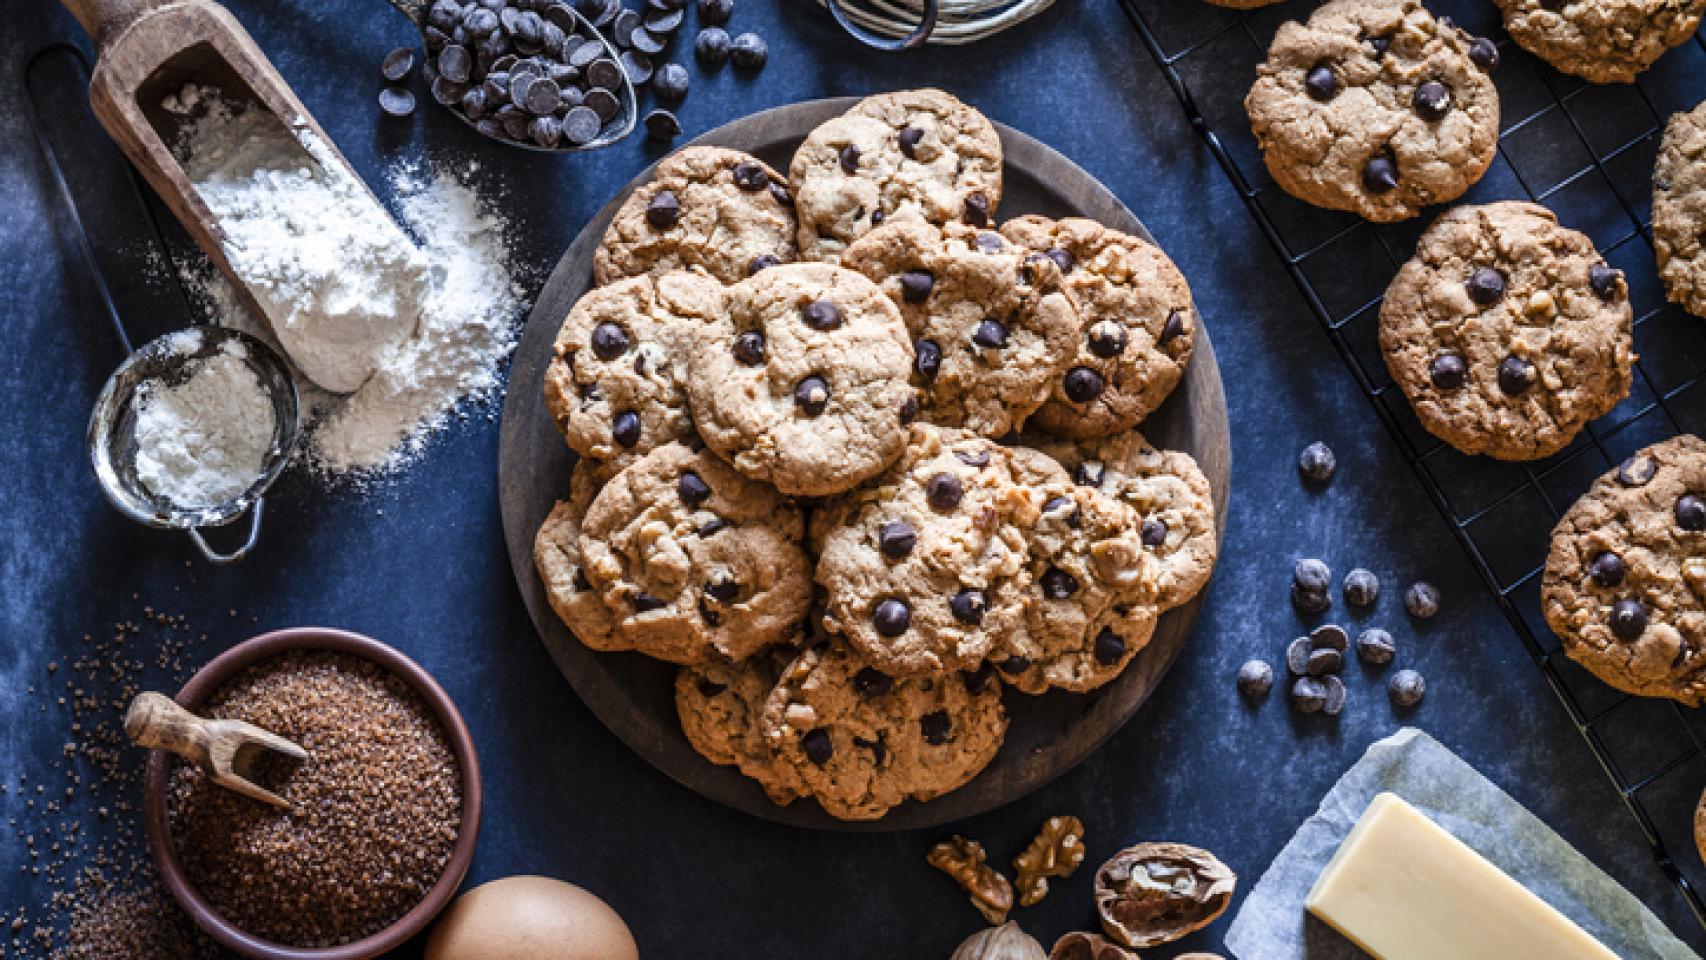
x,y
634,695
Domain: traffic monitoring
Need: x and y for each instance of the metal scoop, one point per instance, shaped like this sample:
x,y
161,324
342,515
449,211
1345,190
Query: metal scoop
x,y
222,748
565,17
169,360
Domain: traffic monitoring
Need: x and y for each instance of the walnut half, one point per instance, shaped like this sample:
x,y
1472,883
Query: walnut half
x,y
963,860
1155,893
1057,851
1088,946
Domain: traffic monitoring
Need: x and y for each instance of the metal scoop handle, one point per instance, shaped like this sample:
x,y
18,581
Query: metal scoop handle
x,y
214,556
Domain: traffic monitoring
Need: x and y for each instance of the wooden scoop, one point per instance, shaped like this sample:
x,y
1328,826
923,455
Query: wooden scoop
x,y
156,721
146,50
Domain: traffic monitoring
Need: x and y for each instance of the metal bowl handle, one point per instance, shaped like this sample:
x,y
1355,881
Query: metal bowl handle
x,y
915,39
214,556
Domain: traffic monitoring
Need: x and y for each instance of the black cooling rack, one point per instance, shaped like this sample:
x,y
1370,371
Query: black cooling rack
x,y
1586,152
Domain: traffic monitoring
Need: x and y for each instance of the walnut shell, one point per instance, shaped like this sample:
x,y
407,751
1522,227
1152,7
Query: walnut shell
x,y
1155,893
1006,942
1088,946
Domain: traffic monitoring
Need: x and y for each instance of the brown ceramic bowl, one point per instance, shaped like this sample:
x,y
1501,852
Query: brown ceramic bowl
x,y
227,665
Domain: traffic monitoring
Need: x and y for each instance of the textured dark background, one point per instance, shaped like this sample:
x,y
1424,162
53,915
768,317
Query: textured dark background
x,y
420,562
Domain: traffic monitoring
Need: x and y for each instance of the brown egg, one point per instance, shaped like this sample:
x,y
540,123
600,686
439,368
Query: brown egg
x,y
530,918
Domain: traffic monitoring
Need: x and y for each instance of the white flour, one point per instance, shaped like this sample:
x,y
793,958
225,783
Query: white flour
x,y
201,442
467,326
339,282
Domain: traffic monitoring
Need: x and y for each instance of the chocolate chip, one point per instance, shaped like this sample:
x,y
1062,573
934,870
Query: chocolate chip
x,y
582,584
763,261
1628,619
722,591
708,687
990,242
1308,695
716,11
892,617
977,680
397,101
1484,53
1406,689
749,51
1015,665
1637,471
749,348
1083,384
929,359
817,745
692,489
968,606
397,64
909,409
973,458
455,63
876,218
645,602
711,527
1107,339
711,46
1317,463
1432,100
1109,647
663,210
1310,601
1380,44
896,539
1376,647
670,81
1422,600
1605,281
581,125
1089,474
1312,575
609,341
943,491
1153,533
1321,82
750,177
871,682
1516,375
1297,656
1607,569
990,334
1362,588
1255,679
1173,328
909,138
1690,512
811,396
1447,371
1057,584
915,286
1335,695
822,315
937,727
1486,286
779,194
626,428
604,74
1381,174
1329,636
1057,504
1323,662
977,210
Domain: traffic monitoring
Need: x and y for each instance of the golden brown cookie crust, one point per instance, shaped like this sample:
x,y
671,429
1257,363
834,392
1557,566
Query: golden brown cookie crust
x,y
1679,210
1603,41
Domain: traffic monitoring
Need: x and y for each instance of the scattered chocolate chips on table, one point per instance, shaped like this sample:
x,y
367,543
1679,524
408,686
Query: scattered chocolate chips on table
x,y
1376,647
1406,689
749,51
1422,600
1362,588
1311,586
1316,463
396,101
1255,679
1308,695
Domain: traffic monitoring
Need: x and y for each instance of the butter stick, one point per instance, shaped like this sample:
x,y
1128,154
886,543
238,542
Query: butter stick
x,y
1402,888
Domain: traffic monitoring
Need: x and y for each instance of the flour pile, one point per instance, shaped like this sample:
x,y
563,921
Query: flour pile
x,y
203,441
463,321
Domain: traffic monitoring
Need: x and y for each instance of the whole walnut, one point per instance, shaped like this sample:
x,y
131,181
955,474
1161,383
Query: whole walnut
x,y
1006,942
1155,893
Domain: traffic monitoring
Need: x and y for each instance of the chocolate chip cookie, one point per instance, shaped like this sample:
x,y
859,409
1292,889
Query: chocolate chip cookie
x,y
722,211
991,329
804,384
721,706
1377,108
1172,499
1605,41
1625,581
1679,209
913,154
1507,332
924,566
1136,325
694,560
616,385
557,555
1089,608
863,741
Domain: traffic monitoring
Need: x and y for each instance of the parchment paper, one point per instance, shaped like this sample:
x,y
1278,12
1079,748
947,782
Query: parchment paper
x,y
1272,924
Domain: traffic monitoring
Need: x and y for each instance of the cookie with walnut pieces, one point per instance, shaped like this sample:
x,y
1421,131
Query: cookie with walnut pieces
x,y
1508,332
721,706
1603,41
1376,107
864,741
695,561
557,555
1624,585
1679,210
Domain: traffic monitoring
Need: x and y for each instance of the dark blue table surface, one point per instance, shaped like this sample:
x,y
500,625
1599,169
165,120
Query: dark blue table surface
x,y
420,562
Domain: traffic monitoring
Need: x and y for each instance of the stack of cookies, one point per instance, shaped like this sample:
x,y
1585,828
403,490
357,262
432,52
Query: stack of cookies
x,y
858,458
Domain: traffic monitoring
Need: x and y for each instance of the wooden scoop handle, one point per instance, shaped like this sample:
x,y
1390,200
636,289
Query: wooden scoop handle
x,y
105,19
156,721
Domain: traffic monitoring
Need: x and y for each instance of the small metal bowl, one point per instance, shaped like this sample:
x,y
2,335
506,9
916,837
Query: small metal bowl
x,y
112,433
256,650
